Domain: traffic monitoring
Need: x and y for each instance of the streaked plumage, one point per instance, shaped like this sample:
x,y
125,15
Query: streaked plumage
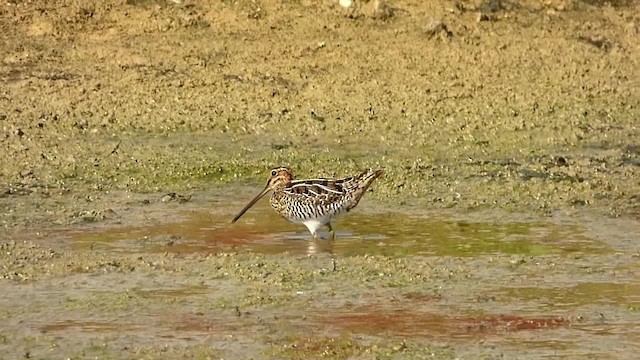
x,y
313,202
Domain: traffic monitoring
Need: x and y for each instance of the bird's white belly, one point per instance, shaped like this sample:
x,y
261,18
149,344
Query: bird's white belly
x,y
314,224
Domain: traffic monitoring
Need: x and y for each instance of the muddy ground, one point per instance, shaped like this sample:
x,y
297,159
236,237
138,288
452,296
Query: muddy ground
x,y
506,225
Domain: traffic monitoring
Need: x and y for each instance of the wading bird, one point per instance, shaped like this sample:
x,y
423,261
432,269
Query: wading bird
x,y
313,202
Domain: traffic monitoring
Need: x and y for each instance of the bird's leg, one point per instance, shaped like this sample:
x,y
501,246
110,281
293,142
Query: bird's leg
x,y
315,235
332,234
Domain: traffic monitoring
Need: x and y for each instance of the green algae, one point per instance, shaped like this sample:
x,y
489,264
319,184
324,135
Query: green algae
x,y
106,107
347,347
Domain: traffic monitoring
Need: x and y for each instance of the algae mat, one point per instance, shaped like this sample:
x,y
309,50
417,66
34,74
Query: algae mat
x,y
505,226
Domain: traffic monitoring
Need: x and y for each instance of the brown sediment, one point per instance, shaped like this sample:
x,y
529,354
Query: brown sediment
x,y
130,132
380,320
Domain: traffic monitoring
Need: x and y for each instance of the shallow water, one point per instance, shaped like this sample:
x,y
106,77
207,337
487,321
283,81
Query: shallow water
x,y
389,234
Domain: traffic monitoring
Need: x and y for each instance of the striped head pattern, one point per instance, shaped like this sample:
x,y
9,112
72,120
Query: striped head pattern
x,y
279,178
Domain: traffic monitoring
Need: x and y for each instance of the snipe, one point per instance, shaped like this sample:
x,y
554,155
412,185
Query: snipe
x,y
313,202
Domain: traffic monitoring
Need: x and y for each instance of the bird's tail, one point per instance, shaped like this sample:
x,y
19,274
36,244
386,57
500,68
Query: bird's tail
x,y
366,178
362,183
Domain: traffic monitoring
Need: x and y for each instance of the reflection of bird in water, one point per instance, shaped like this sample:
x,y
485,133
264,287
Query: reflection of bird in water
x,y
313,202
317,247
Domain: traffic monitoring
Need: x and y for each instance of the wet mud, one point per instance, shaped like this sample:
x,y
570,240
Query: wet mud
x,y
390,285
506,224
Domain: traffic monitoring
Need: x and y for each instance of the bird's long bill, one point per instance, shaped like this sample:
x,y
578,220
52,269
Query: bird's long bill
x,y
250,204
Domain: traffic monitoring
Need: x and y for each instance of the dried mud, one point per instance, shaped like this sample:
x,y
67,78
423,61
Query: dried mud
x,y
506,225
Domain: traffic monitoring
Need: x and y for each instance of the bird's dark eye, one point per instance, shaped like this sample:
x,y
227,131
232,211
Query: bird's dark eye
x,y
273,173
